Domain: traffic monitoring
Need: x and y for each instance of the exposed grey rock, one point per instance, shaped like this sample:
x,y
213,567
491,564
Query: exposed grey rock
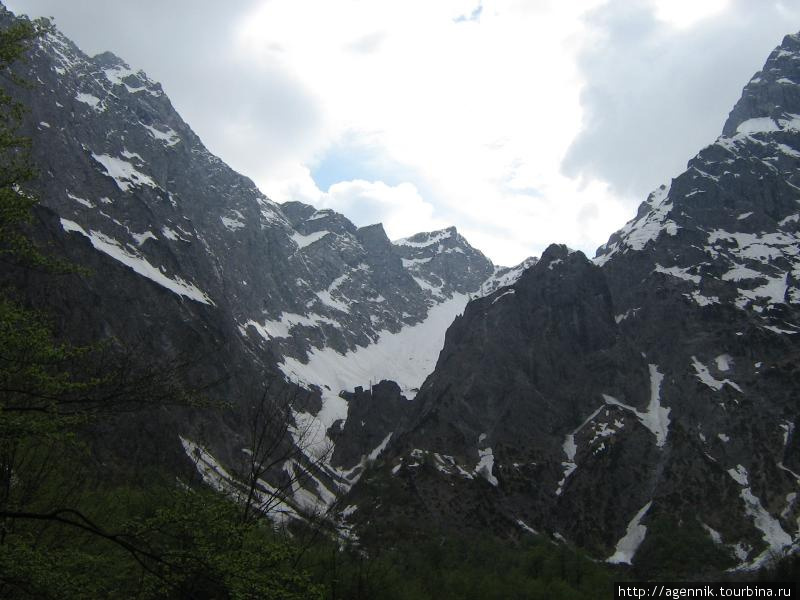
x,y
657,382
660,384
374,414
772,92
190,256
444,262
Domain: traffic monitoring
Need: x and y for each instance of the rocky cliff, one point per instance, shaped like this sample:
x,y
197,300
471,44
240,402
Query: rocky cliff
x,y
188,258
643,400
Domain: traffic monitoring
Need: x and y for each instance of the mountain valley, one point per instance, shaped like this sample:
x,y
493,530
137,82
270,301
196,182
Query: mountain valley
x,y
611,404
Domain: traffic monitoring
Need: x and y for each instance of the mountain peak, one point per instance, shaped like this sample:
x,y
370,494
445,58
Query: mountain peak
x,y
373,229
577,395
772,93
427,238
110,59
558,251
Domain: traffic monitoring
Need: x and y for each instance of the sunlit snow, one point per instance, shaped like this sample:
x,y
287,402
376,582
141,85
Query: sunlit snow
x,y
232,224
140,265
485,466
678,272
776,538
169,137
79,200
638,232
306,240
630,542
432,238
656,417
705,376
91,100
123,172
406,357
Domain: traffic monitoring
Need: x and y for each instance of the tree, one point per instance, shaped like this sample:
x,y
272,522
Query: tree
x,y
44,399
15,165
65,532
279,440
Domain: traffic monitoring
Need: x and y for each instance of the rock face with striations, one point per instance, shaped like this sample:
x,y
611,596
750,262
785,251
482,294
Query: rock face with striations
x,y
192,258
621,403
646,397
373,415
435,257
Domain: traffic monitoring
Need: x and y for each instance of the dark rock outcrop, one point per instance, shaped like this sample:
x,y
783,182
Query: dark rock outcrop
x,y
650,394
188,257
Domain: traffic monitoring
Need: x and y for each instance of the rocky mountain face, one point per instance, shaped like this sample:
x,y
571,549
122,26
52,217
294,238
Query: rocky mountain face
x,y
642,400
188,257
619,404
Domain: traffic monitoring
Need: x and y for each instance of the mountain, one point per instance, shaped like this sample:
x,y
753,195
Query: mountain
x,y
642,405
187,258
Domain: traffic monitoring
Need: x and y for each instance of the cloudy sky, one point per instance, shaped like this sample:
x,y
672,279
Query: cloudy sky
x,y
522,122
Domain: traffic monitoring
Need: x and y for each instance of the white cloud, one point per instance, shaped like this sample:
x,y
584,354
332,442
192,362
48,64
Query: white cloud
x,y
686,13
481,110
400,207
654,95
484,111
471,117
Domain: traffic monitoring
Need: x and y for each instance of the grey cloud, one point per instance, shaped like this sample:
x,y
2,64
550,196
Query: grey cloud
x,y
189,51
655,96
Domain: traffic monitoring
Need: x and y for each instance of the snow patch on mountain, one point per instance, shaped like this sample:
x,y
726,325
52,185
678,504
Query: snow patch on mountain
x,y
412,262
724,362
505,276
140,265
762,247
448,465
379,448
629,543
233,223
773,291
282,326
63,51
704,375
777,540
656,417
713,534
169,137
117,74
406,357
506,293
91,100
141,238
646,227
741,273
326,296
678,272
306,240
424,239
80,200
485,466
270,501
769,125
570,449
310,501
123,173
